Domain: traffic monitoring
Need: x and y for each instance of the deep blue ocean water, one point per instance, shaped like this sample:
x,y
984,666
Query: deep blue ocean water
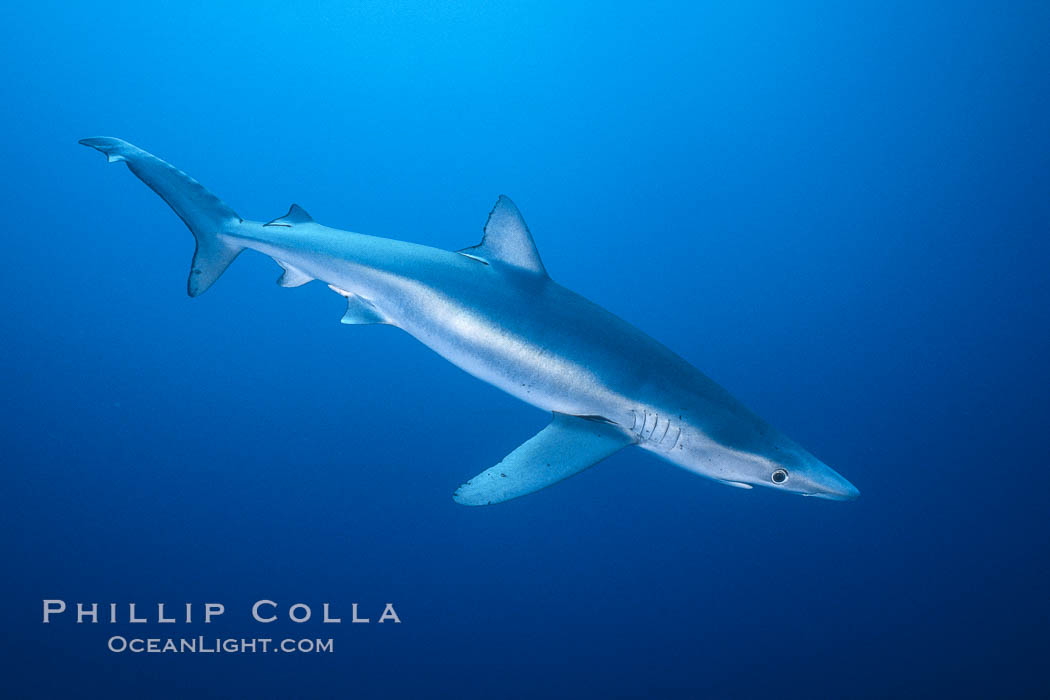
x,y
839,212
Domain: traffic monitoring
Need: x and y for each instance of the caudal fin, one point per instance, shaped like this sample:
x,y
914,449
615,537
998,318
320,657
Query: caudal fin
x,y
206,215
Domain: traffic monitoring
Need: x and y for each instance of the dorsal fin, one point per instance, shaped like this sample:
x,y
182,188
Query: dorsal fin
x,y
296,215
507,239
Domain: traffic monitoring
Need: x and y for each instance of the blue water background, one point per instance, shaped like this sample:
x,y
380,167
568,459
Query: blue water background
x,y
838,211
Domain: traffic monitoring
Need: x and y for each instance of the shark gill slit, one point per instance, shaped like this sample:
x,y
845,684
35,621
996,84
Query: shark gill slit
x,y
667,427
646,426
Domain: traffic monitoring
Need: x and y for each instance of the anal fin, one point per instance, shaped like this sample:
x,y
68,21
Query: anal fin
x,y
293,276
359,311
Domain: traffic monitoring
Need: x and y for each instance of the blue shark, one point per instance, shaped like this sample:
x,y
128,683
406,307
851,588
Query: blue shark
x,y
493,311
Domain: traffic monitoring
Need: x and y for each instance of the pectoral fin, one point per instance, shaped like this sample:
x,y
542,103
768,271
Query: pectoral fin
x,y
567,446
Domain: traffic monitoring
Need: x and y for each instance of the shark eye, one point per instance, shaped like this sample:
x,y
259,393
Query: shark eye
x,y
779,476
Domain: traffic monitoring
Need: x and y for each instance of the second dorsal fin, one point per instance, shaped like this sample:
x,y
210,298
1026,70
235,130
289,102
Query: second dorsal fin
x,y
296,215
507,239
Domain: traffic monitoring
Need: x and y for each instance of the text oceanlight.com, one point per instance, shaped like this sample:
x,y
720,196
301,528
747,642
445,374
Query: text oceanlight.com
x,y
218,645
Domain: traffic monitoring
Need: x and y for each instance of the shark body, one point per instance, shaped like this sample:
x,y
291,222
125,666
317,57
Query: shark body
x,y
493,311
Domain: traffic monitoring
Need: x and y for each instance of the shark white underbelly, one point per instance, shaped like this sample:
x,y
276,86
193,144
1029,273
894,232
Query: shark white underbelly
x,y
494,311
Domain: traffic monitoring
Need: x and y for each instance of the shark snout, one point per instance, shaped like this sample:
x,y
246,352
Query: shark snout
x,y
829,484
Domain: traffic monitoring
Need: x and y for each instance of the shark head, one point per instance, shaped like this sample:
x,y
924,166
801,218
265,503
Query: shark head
x,y
803,475
810,478
762,456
